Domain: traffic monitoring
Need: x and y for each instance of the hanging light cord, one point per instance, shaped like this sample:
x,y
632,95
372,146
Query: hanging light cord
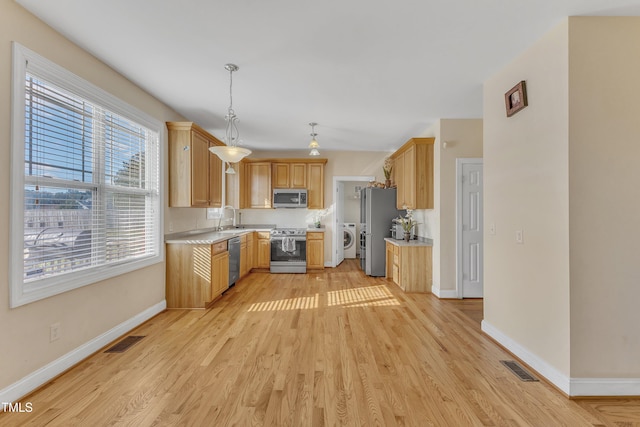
x,y
232,133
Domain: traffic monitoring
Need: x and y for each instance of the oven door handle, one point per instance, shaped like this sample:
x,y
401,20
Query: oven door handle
x,y
297,239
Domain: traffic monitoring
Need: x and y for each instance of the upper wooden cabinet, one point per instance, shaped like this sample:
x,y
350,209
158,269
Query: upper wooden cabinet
x,y
289,175
413,174
195,174
315,187
257,185
258,178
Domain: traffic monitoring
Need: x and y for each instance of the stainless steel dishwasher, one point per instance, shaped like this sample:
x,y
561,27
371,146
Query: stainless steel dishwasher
x,y
233,246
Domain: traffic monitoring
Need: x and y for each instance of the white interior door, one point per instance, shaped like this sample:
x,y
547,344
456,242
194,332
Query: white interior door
x,y
470,253
339,222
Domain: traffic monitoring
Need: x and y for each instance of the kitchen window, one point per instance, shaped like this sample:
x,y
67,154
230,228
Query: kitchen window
x,y
85,182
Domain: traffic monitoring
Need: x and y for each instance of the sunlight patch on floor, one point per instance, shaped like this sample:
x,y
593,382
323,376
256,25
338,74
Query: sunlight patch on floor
x,y
362,297
286,304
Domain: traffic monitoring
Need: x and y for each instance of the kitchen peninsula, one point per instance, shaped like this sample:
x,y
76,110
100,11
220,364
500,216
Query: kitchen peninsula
x,y
409,264
198,262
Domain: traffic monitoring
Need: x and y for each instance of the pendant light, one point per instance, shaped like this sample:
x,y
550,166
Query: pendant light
x,y
314,144
231,153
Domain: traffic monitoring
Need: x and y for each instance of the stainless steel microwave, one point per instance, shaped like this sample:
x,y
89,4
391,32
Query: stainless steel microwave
x,y
289,198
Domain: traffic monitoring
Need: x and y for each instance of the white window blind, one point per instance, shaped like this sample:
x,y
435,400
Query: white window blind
x,y
89,182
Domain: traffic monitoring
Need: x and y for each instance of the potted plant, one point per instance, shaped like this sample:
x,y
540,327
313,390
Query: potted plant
x,y
407,226
387,168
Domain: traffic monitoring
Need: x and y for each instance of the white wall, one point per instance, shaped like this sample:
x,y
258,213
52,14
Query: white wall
x,y
564,171
86,313
526,187
604,149
464,139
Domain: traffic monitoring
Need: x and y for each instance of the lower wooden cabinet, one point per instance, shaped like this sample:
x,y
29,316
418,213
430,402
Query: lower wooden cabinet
x,y
409,266
315,250
251,251
219,274
263,250
244,256
196,274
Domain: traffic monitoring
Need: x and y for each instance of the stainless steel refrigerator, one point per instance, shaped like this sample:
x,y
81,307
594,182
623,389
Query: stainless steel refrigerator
x,y
377,210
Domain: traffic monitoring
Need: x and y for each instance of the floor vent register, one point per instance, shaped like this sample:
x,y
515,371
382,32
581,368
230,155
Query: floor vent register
x,y
518,370
125,344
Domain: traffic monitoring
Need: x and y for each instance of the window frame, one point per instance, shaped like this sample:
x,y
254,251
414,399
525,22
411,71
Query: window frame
x,y
21,292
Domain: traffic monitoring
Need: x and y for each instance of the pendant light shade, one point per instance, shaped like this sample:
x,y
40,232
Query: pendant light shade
x,y
231,153
313,144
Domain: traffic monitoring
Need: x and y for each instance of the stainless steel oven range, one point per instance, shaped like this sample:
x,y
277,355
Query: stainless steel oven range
x,y
288,250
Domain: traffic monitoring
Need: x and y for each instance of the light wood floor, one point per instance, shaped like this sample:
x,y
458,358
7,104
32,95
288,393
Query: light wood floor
x,y
333,348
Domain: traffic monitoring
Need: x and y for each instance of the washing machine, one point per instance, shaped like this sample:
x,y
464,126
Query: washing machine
x,y
350,241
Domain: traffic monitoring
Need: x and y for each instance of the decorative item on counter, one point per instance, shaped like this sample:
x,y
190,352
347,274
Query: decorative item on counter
x,y
316,217
407,224
387,168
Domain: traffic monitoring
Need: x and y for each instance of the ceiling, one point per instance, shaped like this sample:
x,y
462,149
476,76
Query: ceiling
x,y
372,73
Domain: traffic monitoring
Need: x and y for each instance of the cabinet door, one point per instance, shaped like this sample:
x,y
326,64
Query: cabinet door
x,y
315,182
263,252
259,184
298,175
396,273
388,266
409,180
280,175
315,250
251,251
199,170
215,179
244,269
219,273
398,174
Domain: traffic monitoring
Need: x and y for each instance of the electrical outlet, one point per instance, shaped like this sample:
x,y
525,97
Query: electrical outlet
x,y
170,225
54,332
519,237
492,228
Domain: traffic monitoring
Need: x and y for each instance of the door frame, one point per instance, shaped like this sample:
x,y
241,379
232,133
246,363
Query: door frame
x,y
460,161
337,237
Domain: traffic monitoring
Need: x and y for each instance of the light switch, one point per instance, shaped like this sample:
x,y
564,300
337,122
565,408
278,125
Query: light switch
x,y
519,237
492,228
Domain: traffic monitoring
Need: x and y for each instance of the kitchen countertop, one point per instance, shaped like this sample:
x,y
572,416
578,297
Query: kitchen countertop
x,y
421,241
211,236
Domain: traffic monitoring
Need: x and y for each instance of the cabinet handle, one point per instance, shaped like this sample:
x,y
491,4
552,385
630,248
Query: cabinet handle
x,y
185,148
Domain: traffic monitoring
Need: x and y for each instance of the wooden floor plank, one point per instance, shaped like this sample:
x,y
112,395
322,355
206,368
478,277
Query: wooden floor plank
x,y
323,349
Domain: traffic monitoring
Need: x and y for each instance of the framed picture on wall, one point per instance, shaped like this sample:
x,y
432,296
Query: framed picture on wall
x,y
516,98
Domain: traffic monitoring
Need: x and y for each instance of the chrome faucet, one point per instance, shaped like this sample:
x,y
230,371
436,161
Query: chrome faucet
x,y
234,213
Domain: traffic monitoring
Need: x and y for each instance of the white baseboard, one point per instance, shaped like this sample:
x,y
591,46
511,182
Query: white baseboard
x,y
573,387
552,375
39,377
444,293
605,387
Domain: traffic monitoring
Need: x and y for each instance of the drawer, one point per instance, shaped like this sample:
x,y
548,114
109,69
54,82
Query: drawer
x,y
314,235
218,247
264,235
396,250
243,239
